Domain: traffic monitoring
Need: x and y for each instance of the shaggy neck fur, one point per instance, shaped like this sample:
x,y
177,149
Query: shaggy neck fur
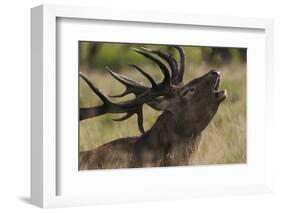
x,y
167,143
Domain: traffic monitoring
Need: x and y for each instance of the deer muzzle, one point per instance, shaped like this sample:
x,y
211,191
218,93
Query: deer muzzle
x,y
220,94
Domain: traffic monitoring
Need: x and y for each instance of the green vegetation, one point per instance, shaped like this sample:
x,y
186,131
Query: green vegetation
x,y
98,55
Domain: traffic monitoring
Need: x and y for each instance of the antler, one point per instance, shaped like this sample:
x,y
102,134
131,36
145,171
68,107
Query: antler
x,y
144,95
181,67
177,71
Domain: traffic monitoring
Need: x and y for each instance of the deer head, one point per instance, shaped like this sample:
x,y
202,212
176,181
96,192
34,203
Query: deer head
x,y
193,103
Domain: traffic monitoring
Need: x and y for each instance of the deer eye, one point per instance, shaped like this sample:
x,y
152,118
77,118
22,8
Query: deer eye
x,y
189,91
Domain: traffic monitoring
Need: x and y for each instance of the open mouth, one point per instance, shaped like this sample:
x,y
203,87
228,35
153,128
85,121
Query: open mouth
x,y
220,94
217,83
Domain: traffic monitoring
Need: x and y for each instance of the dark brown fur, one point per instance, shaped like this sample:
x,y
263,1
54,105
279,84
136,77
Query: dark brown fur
x,y
160,146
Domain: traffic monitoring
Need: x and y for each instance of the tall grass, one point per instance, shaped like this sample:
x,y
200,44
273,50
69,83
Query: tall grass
x,y
223,141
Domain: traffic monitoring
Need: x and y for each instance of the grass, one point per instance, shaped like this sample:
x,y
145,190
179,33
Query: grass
x,y
223,141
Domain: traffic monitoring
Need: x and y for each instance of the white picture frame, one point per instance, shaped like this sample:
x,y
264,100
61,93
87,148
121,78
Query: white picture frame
x,y
46,166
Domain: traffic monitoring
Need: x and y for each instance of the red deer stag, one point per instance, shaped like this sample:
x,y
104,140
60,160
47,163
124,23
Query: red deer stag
x,y
171,141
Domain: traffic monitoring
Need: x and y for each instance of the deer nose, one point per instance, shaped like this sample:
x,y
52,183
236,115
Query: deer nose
x,y
215,73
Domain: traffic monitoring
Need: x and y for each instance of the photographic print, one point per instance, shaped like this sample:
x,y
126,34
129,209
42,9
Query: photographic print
x,y
144,105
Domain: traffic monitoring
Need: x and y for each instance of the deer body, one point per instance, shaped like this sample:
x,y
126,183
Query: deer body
x,y
162,145
171,141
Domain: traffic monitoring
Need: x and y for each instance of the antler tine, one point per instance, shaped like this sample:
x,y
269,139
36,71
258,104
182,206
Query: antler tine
x,y
103,97
173,64
110,107
153,83
131,85
162,66
181,68
139,118
125,117
135,87
88,112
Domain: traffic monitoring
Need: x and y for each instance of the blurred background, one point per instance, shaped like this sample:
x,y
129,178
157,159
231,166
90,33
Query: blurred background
x,y
224,140
98,55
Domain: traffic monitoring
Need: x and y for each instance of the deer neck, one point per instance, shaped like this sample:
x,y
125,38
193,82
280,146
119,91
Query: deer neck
x,y
177,143
170,128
